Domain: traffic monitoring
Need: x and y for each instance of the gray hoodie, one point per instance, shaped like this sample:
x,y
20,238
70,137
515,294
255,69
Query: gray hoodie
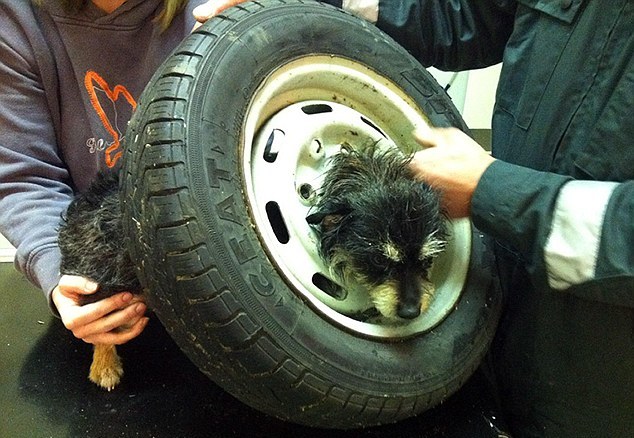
x,y
68,86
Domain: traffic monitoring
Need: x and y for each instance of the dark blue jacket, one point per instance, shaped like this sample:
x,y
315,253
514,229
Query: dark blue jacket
x,y
560,201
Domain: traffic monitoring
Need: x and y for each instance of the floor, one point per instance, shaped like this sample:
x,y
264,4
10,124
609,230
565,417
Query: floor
x,y
44,391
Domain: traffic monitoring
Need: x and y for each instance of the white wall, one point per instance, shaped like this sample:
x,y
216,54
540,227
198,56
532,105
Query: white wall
x,y
473,93
480,96
6,250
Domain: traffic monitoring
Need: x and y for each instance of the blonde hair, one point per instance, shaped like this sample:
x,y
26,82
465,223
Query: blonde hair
x,y
170,9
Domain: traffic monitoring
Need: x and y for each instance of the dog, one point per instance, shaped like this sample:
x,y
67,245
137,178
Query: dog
x,y
376,225
92,242
380,228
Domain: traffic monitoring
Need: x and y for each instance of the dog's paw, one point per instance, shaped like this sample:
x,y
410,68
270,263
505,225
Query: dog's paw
x,y
106,369
107,378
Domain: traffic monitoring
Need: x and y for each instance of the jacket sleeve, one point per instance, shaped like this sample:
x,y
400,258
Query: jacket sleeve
x,y
448,34
574,236
34,188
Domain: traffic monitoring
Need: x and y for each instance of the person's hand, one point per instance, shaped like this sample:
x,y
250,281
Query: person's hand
x,y
211,8
114,320
453,163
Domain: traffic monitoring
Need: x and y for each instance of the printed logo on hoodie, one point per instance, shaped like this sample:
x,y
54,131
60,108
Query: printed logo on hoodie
x,y
106,101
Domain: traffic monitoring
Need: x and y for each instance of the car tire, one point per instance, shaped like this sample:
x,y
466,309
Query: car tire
x,y
208,256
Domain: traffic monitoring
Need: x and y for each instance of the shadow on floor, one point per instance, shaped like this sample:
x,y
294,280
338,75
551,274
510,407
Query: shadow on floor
x,y
44,390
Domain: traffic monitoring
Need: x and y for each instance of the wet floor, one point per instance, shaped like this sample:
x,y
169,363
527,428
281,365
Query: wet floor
x,y
44,391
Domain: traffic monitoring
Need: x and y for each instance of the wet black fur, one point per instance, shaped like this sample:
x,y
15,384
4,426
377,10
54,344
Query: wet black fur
x,y
370,197
92,240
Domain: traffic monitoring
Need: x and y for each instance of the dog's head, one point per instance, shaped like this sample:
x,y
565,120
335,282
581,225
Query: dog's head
x,y
380,228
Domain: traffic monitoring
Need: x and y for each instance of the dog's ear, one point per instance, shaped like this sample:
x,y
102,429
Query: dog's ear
x,y
315,218
328,217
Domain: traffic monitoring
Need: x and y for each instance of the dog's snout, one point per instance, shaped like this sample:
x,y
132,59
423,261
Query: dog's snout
x,y
410,293
408,311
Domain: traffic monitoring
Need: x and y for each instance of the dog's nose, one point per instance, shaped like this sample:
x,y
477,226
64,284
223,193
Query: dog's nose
x,y
408,311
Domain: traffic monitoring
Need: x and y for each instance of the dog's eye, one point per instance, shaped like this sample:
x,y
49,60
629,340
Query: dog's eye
x,y
377,260
376,268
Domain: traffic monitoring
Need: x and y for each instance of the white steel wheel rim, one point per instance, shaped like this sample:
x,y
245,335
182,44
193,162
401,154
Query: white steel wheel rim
x,y
297,119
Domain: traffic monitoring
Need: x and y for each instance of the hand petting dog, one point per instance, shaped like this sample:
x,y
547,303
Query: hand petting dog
x,y
453,163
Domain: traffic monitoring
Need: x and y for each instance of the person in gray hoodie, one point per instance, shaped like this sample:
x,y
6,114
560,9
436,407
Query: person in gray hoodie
x,y
71,74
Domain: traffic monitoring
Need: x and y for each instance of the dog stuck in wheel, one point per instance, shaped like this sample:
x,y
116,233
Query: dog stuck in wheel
x,y
376,225
92,243
380,228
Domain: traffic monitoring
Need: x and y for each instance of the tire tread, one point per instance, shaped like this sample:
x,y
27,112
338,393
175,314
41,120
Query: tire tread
x,y
248,355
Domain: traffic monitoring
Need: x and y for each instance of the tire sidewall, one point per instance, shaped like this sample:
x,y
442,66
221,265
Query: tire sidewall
x,y
428,366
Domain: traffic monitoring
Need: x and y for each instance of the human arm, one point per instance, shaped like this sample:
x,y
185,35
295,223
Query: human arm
x,y
456,35
34,183
35,186
573,235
